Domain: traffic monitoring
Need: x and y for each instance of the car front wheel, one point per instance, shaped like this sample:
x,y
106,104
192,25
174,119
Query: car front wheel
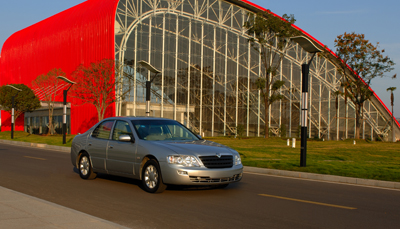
x,y
151,177
85,168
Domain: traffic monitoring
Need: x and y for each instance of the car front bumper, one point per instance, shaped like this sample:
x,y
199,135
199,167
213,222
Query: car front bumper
x,y
178,175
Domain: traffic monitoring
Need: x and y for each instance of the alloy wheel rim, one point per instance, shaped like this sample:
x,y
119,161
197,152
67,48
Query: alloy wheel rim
x,y
151,176
84,166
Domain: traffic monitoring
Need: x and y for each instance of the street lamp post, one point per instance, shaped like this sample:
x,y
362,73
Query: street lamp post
x,y
391,89
148,83
12,109
308,46
65,92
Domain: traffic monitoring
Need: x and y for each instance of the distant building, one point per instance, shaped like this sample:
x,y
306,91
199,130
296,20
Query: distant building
x,y
208,67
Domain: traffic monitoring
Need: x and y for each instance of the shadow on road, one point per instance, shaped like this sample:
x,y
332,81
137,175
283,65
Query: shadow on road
x,y
138,183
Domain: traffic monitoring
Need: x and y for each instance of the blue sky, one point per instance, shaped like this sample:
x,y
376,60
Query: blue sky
x,y
324,20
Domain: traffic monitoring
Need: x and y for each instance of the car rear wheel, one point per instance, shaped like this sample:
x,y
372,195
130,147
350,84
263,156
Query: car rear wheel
x,y
85,167
151,177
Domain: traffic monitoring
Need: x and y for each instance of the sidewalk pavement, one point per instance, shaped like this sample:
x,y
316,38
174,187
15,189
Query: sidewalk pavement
x,y
18,210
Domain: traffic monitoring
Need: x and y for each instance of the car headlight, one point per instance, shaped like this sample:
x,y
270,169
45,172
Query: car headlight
x,y
185,160
238,160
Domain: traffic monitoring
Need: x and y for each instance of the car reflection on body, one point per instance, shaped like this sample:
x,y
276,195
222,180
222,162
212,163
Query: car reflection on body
x,y
156,151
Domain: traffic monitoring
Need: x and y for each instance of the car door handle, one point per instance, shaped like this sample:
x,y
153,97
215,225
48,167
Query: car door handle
x,y
110,147
90,143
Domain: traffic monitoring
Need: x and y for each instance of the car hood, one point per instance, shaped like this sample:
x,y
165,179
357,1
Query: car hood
x,y
198,148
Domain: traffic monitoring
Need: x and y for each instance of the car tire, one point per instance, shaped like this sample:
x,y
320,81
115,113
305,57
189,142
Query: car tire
x,y
85,167
151,177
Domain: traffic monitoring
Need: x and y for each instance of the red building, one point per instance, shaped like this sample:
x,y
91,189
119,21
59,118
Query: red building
x,y
80,35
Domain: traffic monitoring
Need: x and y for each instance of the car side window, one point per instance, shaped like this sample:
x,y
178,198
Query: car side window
x,y
121,128
103,130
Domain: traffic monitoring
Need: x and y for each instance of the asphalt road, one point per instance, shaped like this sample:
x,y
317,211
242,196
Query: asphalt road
x,y
258,201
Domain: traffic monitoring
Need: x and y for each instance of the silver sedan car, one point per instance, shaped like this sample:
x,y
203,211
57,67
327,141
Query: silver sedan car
x,y
156,151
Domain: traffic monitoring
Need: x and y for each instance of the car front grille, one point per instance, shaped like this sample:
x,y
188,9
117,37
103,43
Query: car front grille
x,y
214,162
234,178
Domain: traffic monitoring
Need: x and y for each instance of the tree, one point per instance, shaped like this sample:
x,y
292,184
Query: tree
x,y
270,36
361,62
336,95
96,84
25,100
46,86
391,89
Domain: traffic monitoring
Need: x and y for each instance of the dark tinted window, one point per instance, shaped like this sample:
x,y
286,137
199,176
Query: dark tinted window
x,y
103,130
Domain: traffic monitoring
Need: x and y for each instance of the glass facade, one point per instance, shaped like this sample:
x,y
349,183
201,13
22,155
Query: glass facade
x,y
209,71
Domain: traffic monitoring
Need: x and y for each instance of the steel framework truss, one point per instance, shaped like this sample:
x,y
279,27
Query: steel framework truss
x,y
207,62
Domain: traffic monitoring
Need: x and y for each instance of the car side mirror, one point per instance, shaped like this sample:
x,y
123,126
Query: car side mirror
x,y
126,138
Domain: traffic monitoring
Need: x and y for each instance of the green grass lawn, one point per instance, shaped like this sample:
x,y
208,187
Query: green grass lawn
x,y
25,137
370,160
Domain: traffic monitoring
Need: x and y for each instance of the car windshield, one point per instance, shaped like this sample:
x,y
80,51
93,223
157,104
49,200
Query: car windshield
x,y
162,130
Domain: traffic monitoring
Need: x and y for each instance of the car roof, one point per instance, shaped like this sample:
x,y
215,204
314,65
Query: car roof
x,y
138,118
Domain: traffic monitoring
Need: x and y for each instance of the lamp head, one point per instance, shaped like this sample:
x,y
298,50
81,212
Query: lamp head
x,y
65,79
306,44
13,87
149,67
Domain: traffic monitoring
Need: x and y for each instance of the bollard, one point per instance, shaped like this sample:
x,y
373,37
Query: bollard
x,y
293,142
288,142
354,142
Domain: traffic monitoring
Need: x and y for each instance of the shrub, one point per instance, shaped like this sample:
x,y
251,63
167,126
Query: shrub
x,y
240,130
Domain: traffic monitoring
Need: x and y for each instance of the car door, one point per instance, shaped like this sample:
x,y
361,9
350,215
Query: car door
x,y
98,144
121,155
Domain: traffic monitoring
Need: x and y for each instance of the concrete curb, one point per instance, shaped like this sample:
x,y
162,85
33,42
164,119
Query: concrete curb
x,y
322,177
294,174
37,145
